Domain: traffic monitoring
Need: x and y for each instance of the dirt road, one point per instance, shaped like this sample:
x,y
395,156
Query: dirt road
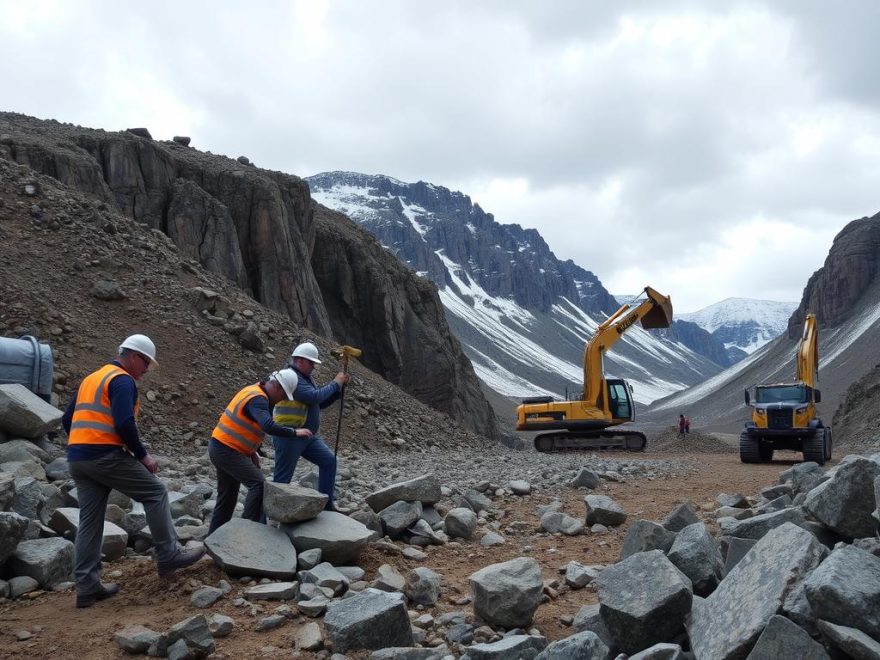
x,y
59,630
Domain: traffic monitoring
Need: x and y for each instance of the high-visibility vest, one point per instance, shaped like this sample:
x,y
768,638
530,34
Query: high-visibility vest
x,y
92,422
235,429
290,413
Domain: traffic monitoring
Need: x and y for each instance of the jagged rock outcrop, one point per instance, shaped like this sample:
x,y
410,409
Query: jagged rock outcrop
x,y
701,341
257,228
849,269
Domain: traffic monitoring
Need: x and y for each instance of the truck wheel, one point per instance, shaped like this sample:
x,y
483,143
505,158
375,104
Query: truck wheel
x,y
827,443
749,449
813,446
766,452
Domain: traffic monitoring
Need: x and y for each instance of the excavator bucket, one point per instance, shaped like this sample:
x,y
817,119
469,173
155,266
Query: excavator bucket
x,y
660,315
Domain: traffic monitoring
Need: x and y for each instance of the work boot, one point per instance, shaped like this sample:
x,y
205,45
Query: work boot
x,y
182,559
331,506
104,592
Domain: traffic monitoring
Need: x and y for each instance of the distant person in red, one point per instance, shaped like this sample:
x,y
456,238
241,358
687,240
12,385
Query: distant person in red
x,y
687,424
682,425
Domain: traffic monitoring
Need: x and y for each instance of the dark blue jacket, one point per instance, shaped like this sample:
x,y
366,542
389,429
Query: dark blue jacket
x,y
315,398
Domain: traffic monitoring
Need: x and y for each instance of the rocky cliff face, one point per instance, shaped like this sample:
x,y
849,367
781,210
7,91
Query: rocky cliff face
x,y
849,270
255,227
702,342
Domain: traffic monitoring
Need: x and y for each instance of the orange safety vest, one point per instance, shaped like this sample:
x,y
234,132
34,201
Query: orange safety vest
x,y
235,429
92,422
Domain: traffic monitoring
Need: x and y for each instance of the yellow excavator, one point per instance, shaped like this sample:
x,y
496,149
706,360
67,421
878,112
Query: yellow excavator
x,y
580,423
784,415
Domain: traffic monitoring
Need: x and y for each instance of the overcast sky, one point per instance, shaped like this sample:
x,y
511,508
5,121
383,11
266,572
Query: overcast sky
x,y
707,149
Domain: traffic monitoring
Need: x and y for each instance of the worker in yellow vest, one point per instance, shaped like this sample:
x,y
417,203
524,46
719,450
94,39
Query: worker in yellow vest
x,y
104,451
236,439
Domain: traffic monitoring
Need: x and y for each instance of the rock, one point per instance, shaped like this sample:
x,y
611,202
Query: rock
x,y
182,139
28,497
680,517
851,641
179,651
585,479
369,519
308,559
7,491
460,523
12,530
58,469
423,586
695,553
578,576
507,594
371,619
758,526
845,502
24,414
245,547
475,501
662,651
22,469
736,550
21,585
195,632
308,637
643,600
398,516
388,579
140,132
186,504
251,338
803,477
22,450
736,501
556,522
314,607
135,638
512,646
272,591
491,539
290,503
424,489
730,620
270,622
784,639
580,645
644,535
602,510
108,290
411,653
845,590
65,520
221,625
339,538
205,597
48,561
325,575
519,487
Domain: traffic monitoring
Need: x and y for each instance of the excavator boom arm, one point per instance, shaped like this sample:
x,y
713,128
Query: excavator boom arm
x,y
808,353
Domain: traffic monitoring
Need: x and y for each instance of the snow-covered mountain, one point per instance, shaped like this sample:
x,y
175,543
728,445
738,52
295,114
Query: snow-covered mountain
x,y
743,323
522,315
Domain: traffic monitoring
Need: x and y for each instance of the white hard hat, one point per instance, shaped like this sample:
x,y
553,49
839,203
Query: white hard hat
x,y
308,351
142,344
287,379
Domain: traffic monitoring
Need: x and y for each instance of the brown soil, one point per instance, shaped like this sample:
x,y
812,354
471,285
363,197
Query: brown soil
x,y
59,630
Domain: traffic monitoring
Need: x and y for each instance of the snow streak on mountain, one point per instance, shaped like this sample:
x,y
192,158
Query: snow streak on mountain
x,y
522,315
743,323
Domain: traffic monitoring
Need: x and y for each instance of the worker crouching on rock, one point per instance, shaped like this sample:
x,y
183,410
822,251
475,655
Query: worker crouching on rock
x,y
104,452
236,439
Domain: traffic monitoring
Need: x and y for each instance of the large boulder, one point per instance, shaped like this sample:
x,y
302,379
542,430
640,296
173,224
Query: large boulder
x,y
643,600
245,547
696,554
424,489
644,535
803,477
785,639
845,502
507,594
290,503
729,621
65,520
12,530
851,641
845,590
758,526
48,561
22,450
372,619
24,414
339,538
460,523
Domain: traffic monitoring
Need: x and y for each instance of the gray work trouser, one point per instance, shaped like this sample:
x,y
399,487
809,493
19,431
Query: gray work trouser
x,y
234,469
94,480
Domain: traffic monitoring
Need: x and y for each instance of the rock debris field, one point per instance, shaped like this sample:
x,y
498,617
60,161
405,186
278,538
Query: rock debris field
x,y
457,554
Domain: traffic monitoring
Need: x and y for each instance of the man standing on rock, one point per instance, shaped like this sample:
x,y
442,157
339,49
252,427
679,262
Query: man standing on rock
x,y
305,410
105,452
236,439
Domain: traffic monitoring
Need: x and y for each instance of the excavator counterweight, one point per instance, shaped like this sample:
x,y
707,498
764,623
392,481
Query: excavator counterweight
x,y
583,423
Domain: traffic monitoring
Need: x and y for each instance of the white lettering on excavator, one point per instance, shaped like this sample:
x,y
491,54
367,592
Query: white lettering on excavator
x,y
628,321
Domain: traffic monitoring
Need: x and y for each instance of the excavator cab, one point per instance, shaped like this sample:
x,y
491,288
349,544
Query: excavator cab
x,y
620,401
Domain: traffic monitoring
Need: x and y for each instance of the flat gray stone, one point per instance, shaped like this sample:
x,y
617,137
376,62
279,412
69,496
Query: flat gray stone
x,y
48,561
370,620
512,646
424,489
845,590
508,593
205,597
851,641
135,638
580,645
603,510
340,538
65,520
272,591
308,559
727,623
644,535
785,639
845,503
291,503
24,414
643,600
245,547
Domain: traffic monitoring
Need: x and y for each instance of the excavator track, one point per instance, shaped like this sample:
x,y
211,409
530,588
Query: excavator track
x,y
563,441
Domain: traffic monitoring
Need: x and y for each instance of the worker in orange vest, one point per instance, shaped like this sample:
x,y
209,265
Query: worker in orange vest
x,y
104,452
236,439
